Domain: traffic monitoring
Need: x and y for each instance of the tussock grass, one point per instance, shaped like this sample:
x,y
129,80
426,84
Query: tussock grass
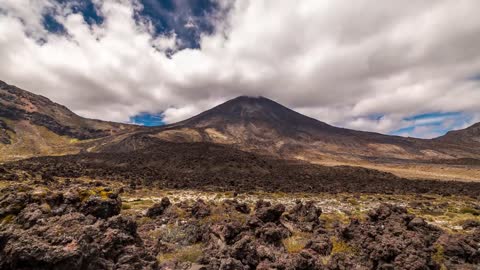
x,y
185,254
339,246
296,242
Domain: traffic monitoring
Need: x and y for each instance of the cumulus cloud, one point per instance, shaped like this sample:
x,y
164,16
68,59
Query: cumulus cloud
x,y
363,64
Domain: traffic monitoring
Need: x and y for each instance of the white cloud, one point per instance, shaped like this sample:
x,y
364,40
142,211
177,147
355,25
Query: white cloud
x,y
176,114
338,61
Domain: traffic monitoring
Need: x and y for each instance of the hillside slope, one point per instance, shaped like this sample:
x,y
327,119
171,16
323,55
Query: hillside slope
x,y
469,136
32,125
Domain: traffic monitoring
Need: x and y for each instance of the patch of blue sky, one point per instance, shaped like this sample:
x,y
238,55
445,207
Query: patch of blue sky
x,y
188,19
89,12
52,25
432,115
148,119
84,7
434,124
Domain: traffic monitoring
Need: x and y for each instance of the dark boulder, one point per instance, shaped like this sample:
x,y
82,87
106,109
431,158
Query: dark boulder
x,y
245,251
470,224
391,237
158,208
268,213
101,244
320,244
305,216
272,234
239,207
461,248
32,214
231,264
200,209
227,232
12,201
101,207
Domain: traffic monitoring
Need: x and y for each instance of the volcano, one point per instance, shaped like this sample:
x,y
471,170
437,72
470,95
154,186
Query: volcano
x,y
262,125
33,125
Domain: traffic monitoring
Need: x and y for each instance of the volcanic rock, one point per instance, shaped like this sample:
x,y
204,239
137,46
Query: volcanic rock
x,y
200,209
158,208
267,213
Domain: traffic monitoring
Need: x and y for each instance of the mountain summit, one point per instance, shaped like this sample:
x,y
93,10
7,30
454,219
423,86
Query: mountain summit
x,y
258,111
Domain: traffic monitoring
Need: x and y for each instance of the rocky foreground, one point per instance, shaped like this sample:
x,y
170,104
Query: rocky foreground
x,y
85,225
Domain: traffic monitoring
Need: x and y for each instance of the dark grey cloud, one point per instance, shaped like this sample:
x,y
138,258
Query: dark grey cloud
x,y
187,19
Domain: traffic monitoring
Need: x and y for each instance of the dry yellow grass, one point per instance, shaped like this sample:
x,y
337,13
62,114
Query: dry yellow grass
x,y
296,242
217,136
184,134
339,246
414,171
31,140
185,254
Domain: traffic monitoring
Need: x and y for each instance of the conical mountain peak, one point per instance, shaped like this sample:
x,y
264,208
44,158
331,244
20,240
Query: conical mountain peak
x,y
251,110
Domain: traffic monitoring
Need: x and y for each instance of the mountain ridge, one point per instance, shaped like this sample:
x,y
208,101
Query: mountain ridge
x,y
249,122
254,124
469,134
19,104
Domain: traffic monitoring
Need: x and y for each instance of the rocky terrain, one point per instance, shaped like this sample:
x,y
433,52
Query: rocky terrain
x,y
65,223
241,186
206,166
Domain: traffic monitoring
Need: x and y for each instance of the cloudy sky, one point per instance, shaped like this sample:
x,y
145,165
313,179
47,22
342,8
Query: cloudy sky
x,y
410,68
